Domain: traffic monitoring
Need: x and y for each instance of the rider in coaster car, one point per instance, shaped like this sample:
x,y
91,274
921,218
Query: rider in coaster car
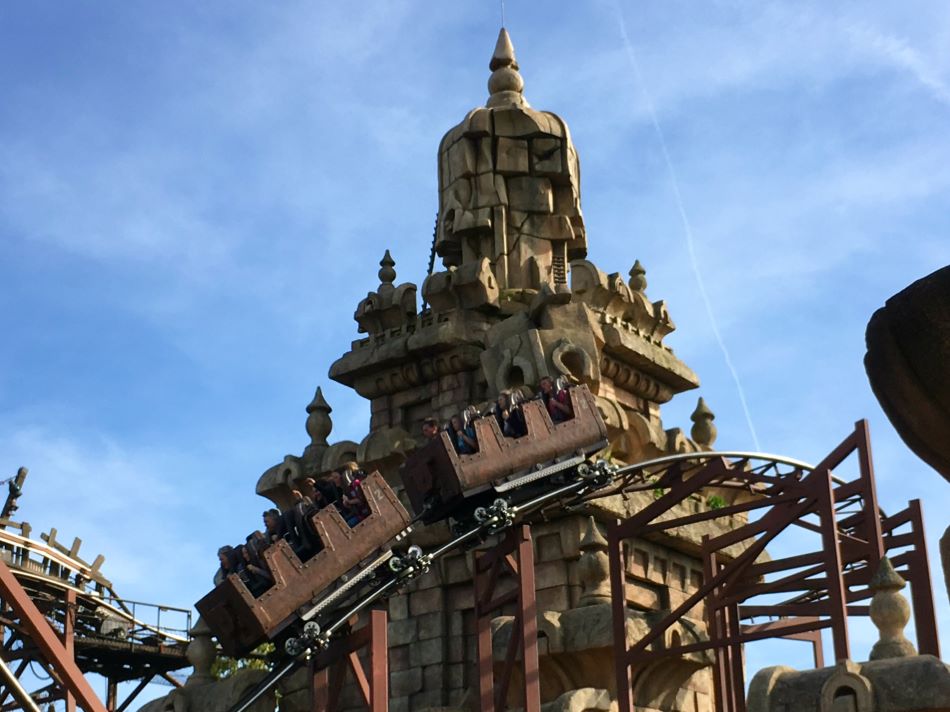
x,y
343,499
228,564
252,572
556,400
305,540
463,435
274,528
508,416
430,429
353,497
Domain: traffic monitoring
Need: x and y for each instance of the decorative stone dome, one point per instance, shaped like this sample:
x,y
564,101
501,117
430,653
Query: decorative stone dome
x,y
509,187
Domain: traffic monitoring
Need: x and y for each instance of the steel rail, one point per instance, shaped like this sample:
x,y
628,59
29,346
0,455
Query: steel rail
x,y
94,599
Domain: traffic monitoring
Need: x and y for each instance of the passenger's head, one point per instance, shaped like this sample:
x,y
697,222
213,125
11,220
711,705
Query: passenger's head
x,y
245,553
502,400
271,519
297,495
546,385
224,556
430,428
456,422
336,477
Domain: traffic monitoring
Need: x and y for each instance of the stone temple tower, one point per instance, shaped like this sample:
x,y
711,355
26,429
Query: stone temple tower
x,y
517,300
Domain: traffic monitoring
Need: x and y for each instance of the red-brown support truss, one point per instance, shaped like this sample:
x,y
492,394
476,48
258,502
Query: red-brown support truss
x,y
33,625
489,567
329,667
824,586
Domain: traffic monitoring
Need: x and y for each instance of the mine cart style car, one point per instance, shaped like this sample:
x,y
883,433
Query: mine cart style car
x,y
242,622
437,478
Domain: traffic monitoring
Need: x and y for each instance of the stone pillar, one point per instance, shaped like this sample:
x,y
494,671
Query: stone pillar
x,y
890,612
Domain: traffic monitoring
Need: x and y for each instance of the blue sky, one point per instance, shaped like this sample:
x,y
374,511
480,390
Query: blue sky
x,y
193,200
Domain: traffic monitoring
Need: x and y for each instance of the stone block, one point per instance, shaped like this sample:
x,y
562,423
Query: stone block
x,y
678,576
351,697
643,597
426,700
455,676
550,574
548,227
548,548
638,563
399,704
456,569
425,601
483,157
403,631
468,622
433,677
455,648
431,625
399,657
547,156
426,652
456,623
461,159
399,607
517,122
530,194
511,156
460,598
566,201
478,122
553,599
485,194
405,682
430,579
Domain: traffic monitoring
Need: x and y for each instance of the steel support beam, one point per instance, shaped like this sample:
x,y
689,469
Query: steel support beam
x,y
46,639
514,555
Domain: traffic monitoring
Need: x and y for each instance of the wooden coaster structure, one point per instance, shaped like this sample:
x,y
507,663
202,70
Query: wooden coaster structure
x,y
60,615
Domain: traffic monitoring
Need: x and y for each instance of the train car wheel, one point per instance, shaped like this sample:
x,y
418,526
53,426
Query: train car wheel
x,y
294,647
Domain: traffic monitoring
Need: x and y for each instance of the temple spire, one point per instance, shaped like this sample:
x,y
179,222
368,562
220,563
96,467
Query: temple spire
x,y
505,84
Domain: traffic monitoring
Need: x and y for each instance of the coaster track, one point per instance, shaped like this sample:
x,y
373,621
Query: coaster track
x,y
758,474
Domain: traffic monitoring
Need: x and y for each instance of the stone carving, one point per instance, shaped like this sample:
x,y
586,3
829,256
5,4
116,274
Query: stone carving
x,y
215,696
319,457
389,307
201,653
468,286
703,430
593,568
895,679
517,300
890,612
846,690
203,692
509,187
911,684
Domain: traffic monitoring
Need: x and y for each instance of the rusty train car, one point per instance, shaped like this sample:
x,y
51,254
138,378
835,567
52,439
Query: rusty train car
x,y
439,483
438,480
